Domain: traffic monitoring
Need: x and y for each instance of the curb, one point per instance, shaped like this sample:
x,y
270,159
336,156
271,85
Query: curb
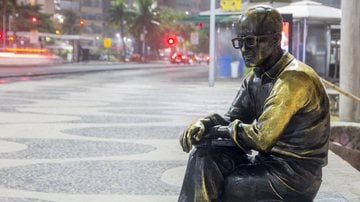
x,y
95,70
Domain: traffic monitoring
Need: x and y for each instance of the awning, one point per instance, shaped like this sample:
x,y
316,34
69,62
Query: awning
x,y
225,16
313,11
230,17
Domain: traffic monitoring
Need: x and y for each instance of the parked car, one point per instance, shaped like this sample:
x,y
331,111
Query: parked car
x,y
194,58
179,58
199,58
207,59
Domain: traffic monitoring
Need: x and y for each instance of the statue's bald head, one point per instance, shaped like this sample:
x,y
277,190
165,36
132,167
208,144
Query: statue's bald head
x,y
262,19
259,36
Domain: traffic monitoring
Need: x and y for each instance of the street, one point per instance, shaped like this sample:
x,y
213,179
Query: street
x,y
113,135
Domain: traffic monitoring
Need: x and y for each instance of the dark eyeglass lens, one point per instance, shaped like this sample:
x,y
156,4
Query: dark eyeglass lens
x,y
237,43
250,41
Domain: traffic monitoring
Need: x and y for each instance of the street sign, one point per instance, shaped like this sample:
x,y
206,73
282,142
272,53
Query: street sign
x,y
34,36
107,43
230,5
142,37
194,38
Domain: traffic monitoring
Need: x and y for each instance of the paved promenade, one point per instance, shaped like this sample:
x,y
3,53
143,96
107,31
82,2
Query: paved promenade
x,y
113,136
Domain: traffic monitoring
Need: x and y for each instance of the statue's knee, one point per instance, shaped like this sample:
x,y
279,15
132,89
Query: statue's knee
x,y
237,187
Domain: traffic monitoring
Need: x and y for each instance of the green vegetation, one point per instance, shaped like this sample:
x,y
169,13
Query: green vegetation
x,y
119,15
23,14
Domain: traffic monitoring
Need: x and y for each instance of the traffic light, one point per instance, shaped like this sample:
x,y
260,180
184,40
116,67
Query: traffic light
x,y
82,22
171,41
1,35
34,19
200,24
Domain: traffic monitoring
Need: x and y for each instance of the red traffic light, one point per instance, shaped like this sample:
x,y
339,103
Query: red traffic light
x,y
171,41
82,22
34,19
1,35
200,24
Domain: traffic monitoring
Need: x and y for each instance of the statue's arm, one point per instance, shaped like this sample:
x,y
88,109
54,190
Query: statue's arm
x,y
289,95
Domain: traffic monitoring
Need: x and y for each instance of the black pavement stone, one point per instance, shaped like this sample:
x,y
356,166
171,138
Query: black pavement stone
x,y
59,148
38,96
127,132
116,119
7,109
63,89
92,177
3,199
13,102
144,103
138,111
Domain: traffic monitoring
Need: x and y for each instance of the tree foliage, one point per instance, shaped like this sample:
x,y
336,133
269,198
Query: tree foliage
x,y
27,12
8,7
118,16
22,15
173,26
70,22
145,23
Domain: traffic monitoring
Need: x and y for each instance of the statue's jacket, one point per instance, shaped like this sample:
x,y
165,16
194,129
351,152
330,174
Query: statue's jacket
x,y
284,115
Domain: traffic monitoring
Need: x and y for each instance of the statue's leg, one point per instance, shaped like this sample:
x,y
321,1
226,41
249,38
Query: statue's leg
x,y
205,172
272,179
250,183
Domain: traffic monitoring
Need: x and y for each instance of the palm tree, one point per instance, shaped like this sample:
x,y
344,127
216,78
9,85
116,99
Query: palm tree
x,y
145,20
5,4
171,24
119,14
27,12
68,27
8,6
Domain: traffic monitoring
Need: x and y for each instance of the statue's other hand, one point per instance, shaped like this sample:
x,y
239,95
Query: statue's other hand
x,y
193,132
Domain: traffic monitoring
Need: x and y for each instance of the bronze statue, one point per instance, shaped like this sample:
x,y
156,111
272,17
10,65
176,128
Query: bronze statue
x,y
281,111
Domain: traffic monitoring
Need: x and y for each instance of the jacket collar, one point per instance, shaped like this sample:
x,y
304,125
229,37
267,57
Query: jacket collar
x,y
275,70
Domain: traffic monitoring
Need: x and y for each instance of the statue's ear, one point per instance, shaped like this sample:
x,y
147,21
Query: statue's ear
x,y
277,38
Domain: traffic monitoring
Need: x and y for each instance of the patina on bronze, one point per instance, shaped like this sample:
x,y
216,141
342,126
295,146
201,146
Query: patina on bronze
x,y
281,110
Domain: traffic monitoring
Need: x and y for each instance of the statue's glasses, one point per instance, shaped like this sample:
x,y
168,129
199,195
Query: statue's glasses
x,y
249,41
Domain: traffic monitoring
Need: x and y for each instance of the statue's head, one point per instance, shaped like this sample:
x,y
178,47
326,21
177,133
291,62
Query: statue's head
x,y
259,35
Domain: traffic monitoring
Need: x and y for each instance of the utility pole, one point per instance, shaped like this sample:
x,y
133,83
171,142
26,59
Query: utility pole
x,y
4,23
10,19
212,45
349,109
4,33
142,38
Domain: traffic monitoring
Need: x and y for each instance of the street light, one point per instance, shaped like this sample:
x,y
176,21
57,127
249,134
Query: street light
x,y
82,22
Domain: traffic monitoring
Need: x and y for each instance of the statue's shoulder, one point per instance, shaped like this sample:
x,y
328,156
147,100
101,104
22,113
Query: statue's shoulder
x,y
300,71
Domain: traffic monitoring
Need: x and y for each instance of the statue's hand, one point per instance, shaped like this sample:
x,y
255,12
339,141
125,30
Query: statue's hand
x,y
194,132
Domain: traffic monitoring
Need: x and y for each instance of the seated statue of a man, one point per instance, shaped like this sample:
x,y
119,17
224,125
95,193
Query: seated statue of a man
x,y
281,112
